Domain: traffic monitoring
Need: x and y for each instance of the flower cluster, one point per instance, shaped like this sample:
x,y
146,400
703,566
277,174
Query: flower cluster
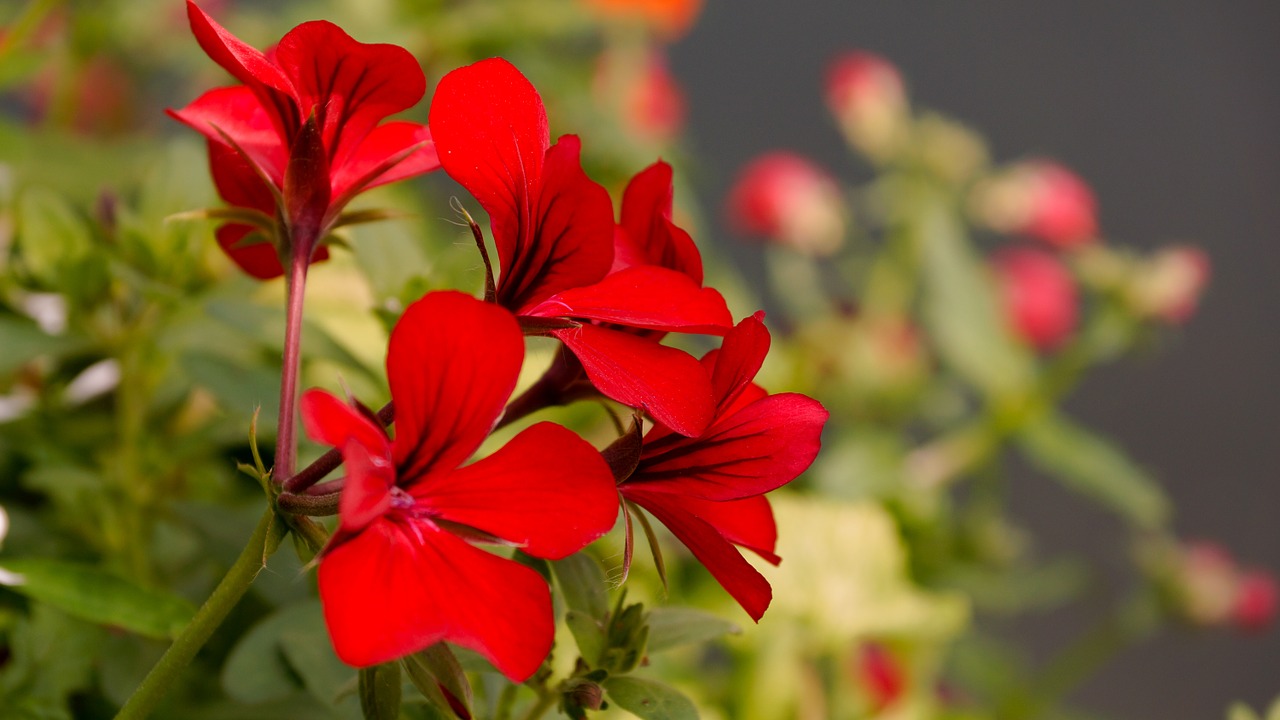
x,y
295,143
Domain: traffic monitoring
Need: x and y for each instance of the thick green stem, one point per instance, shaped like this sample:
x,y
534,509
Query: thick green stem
x,y
266,538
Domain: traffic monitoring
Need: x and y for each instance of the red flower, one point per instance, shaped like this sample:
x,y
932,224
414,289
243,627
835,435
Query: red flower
x,y
301,137
881,675
709,490
790,201
1257,597
1039,296
1040,199
399,574
554,232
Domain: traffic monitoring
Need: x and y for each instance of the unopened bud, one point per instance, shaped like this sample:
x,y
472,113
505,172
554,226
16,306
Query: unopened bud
x,y
1039,296
866,94
1039,199
1256,599
585,695
1168,287
880,675
1209,583
787,199
643,92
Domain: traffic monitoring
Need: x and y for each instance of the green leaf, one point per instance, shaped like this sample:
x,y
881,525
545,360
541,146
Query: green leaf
x,y
380,691
649,700
97,596
436,671
1092,466
961,308
21,341
671,626
1240,711
256,670
589,633
51,235
583,584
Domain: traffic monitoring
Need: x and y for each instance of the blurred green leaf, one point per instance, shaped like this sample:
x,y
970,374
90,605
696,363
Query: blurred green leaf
x,y
1240,711
95,595
961,308
1093,466
673,626
51,235
257,670
21,341
589,633
51,656
583,584
649,700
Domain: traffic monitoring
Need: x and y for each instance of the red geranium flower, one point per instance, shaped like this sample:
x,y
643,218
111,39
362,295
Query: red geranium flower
x,y
399,575
553,229
709,490
301,137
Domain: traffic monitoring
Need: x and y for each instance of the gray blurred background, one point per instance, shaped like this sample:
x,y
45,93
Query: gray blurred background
x,y
1171,111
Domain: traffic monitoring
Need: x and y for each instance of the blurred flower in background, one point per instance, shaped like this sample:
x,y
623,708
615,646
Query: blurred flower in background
x,y
787,199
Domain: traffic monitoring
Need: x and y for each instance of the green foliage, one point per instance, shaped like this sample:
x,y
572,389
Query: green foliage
x,y
649,700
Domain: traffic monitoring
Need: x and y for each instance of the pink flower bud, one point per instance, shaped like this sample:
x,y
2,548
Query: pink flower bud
x,y
1039,199
1169,286
789,200
866,94
1208,583
1039,296
1256,598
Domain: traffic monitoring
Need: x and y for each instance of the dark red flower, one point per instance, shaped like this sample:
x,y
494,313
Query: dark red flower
x,y
554,233
709,490
399,574
302,135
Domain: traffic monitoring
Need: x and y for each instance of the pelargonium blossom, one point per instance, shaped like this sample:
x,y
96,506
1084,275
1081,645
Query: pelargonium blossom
x,y
303,133
400,574
709,490
554,233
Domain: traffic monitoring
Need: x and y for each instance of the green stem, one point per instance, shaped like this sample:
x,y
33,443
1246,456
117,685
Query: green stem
x,y
286,429
546,700
266,538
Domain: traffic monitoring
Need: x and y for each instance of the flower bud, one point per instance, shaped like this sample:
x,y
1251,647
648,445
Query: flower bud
x,y
1256,598
866,94
789,200
880,675
1168,287
1039,296
1039,199
644,93
1208,583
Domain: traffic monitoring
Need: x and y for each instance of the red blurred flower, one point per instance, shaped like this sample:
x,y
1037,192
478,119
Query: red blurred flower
x,y
1256,599
1168,287
709,490
671,17
1039,296
645,93
881,675
866,95
554,233
399,575
1041,200
789,200
302,135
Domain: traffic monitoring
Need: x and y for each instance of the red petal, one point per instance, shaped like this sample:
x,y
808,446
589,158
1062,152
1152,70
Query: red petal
x,y
747,523
547,490
366,453
645,297
400,586
384,142
452,363
350,85
722,559
572,241
239,113
666,382
490,129
248,65
237,182
761,447
646,218
738,360
258,260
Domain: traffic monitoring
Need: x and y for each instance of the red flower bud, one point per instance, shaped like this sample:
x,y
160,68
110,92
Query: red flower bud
x,y
1256,598
1039,199
1039,296
866,94
1168,288
880,675
644,93
790,201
